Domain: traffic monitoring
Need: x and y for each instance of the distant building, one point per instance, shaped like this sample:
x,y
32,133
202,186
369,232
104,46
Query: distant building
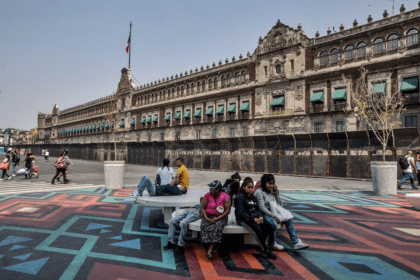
x,y
291,84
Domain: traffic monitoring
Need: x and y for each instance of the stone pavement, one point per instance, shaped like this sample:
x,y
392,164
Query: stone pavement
x,y
95,233
92,172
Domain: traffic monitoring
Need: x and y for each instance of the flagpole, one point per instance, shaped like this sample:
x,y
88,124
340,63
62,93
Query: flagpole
x,y
129,50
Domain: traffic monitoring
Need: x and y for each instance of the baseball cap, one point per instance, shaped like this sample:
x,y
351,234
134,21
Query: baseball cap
x,y
215,185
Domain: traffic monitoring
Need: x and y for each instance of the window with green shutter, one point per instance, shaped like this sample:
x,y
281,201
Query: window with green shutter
x,y
277,101
155,119
379,88
209,111
317,96
220,110
168,117
244,106
187,114
178,115
410,84
197,113
339,94
133,121
231,109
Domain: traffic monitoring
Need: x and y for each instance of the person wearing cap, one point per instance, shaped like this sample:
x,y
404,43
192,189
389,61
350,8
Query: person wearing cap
x,y
231,185
215,208
186,217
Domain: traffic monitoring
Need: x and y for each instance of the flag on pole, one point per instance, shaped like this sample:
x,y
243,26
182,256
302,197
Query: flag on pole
x,y
127,49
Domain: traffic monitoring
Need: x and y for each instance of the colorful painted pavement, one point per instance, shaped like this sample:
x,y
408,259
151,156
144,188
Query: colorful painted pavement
x,y
101,234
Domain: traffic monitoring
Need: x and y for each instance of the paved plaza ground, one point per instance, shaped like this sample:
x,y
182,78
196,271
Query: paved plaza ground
x,y
94,233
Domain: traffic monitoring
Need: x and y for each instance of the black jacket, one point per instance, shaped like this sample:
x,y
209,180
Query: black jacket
x,y
231,187
246,208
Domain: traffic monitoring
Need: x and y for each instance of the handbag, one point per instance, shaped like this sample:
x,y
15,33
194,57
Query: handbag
x,y
4,165
281,213
36,169
60,163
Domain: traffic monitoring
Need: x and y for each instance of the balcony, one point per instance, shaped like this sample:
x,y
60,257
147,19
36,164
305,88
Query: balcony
x,y
338,107
186,121
411,99
208,119
231,117
244,115
196,120
154,124
220,118
316,109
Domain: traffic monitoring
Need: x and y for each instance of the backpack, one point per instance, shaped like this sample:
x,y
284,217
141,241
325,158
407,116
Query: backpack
x,y
60,163
403,163
17,158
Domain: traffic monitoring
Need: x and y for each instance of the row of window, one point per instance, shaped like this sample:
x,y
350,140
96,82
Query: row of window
x,y
409,87
231,110
226,80
379,45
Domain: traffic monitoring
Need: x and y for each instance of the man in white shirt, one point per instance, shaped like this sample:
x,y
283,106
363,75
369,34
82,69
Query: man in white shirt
x,y
408,172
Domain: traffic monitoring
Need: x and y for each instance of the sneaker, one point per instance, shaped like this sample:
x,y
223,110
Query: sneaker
x,y
399,188
277,247
1,179
300,246
170,246
10,178
415,188
134,194
13,175
271,255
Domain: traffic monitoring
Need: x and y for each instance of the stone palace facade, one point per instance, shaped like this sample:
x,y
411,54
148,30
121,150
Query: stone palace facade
x,y
290,85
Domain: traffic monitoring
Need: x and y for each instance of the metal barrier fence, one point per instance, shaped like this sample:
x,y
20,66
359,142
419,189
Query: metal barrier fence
x,y
339,154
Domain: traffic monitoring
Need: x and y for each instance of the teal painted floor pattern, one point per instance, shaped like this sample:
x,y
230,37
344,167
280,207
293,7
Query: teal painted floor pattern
x,y
96,233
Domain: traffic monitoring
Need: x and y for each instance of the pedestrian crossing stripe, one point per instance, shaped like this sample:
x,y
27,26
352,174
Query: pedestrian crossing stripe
x,y
20,187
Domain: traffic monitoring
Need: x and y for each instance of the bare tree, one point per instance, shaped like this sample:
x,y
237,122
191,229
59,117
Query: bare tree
x,y
379,110
113,117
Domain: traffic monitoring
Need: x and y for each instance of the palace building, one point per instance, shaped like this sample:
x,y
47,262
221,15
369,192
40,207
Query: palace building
x,y
291,85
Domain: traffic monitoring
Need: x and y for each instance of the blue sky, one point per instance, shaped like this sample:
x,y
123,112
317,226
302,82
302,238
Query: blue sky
x,y
71,52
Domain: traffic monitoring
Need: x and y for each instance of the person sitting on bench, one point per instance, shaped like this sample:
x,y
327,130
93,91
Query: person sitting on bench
x,y
177,186
186,217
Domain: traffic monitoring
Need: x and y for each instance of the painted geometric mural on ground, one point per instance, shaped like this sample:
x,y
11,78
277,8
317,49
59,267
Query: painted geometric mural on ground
x,y
101,234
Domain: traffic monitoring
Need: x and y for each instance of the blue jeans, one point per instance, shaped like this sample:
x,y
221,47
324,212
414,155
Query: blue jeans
x,y
182,220
147,184
408,175
5,174
28,173
289,227
14,167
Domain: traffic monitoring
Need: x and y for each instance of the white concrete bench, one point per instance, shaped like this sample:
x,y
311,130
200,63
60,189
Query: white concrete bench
x,y
231,228
414,199
171,203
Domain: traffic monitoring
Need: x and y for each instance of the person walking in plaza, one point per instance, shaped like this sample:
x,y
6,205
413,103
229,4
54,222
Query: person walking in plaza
x,y
34,166
46,155
186,217
4,167
249,216
164,176
28,165
176,187
15,161
68,162
408,172
215,208
60,165
268,196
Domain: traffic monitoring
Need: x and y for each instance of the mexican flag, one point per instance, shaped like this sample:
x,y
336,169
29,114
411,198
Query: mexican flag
x,y
127,49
